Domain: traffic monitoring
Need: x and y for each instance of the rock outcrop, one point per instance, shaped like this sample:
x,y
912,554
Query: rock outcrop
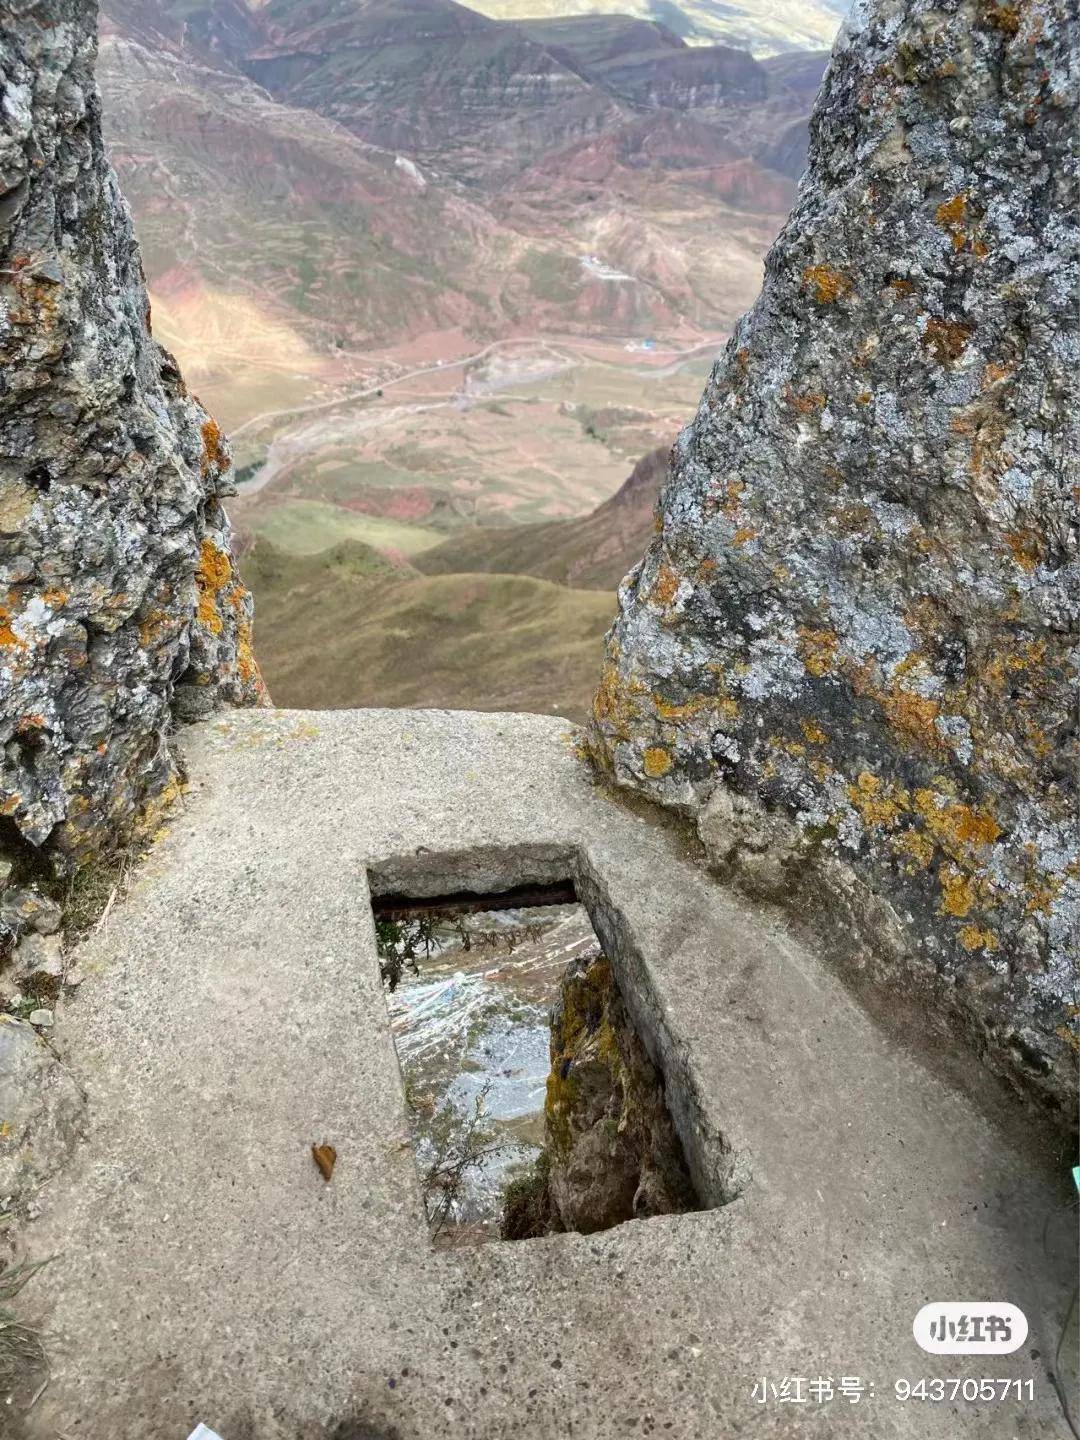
x,y
121,610
611,1150
43,1112
851,648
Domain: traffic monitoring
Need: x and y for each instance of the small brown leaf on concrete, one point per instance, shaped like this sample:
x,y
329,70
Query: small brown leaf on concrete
x,y
324,1157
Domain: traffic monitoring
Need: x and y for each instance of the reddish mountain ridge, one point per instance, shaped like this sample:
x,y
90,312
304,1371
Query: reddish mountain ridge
x,y
357,173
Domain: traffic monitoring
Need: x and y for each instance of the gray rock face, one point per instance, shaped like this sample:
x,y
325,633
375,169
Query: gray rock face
x,y
851,649
119,605
43,1111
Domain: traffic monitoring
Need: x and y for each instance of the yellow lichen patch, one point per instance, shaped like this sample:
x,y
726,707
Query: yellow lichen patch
x,y
957,892
607,694
972,938
1043,894
612,706
667,583
827,283
912,715
213,574
946,340
656,762
864,398
813,733
7,634
878,802
669,711
951,213
150,821
214,451
246,666
55,597
817,650
786,746
958,828
915,847
744,534
707,569
1025,547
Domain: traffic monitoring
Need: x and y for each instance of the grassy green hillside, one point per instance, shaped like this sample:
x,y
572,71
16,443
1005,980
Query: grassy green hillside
x,y
591,552
348,628
306,527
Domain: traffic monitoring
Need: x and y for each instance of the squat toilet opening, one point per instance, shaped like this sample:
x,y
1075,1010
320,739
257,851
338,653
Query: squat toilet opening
x,y
533,1105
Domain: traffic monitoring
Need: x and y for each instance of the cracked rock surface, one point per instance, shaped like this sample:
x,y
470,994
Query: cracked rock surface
x,y
119,606
851,649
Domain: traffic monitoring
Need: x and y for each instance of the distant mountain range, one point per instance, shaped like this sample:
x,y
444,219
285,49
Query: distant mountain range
x,y
764,27
443,275
319,176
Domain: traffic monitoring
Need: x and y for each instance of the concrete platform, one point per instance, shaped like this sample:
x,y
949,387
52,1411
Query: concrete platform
x,y
233,1014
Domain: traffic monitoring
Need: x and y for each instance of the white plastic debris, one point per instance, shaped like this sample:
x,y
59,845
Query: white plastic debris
x,y
203,1432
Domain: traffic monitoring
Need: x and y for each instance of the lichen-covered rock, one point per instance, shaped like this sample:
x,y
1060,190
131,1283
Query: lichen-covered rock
x,y
851,648
119,604
611,1151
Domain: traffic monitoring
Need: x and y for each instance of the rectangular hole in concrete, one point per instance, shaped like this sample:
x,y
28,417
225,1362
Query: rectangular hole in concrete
x,y
533,1105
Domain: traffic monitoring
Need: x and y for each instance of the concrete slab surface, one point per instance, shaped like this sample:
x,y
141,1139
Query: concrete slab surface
x,y
233,1014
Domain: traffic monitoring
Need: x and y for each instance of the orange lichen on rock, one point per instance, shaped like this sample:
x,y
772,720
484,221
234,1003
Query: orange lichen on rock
x,y
1025,547
214,451
958,892
213,574
915,848
951,216
827,283
951,213
7,634
878,803
669,711
972,938
808,403
153,626
667,583
612,705
946,340
959,829
656,761
912,715
817,650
